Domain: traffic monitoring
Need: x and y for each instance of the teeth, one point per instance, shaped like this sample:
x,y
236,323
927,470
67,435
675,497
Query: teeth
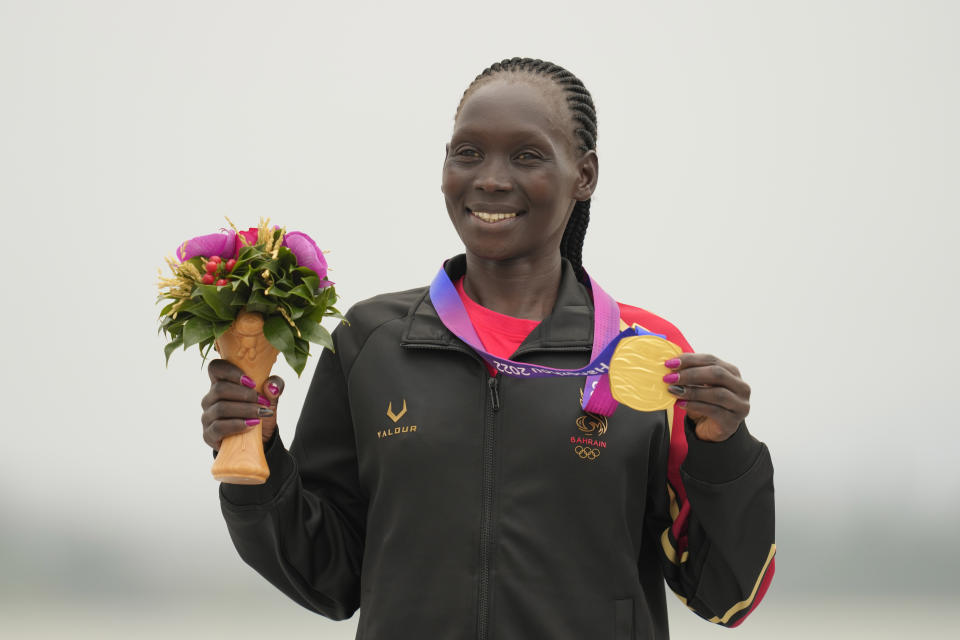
x,y
493,217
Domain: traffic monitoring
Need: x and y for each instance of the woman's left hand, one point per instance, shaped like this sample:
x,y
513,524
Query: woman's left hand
x,y
716,397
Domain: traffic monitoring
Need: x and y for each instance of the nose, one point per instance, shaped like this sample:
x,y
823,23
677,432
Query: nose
x,y
492,176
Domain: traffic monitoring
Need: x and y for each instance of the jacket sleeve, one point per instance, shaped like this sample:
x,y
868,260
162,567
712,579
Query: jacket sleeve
x,y
715,530
303,530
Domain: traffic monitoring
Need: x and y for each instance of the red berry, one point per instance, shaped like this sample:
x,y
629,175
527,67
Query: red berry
x,y
207,279
221,282
216,259
211,266
231,263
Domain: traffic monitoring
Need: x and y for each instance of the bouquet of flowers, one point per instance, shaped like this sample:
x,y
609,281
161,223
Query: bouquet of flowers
x,y
251,295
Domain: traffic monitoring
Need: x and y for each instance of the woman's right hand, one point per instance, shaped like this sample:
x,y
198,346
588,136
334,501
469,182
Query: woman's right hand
x,y
233,406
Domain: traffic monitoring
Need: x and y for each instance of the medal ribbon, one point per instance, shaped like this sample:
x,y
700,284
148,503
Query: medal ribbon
x,y
606,335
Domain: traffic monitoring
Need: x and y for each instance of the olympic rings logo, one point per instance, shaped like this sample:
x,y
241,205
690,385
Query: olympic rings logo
x,y
586,453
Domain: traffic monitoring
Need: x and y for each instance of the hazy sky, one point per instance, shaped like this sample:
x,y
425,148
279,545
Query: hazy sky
x,y
779,179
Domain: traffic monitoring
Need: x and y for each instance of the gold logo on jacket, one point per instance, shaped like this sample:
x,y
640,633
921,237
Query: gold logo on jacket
x,y
395,417
586,453
592,426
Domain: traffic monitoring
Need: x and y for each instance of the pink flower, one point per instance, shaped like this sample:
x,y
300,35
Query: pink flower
x,y
228,243
250,235
213,244
308,254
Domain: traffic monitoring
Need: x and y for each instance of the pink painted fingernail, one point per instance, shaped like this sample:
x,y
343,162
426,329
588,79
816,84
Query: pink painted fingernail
x,y
672,363
263,401
671,377
247,381
252,422
273,389
682,403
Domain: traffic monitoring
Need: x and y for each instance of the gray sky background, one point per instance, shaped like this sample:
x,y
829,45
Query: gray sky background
x,y
779,179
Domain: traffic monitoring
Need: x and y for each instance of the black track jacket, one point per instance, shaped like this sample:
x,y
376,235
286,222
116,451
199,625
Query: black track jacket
x,y
449,505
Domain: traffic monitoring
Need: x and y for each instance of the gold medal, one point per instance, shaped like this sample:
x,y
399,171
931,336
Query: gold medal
x,y
636,372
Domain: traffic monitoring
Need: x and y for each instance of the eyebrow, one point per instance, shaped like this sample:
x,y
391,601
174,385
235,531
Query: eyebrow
x,y
527,136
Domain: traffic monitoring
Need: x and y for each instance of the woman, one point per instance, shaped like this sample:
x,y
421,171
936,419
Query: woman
x,y
448,501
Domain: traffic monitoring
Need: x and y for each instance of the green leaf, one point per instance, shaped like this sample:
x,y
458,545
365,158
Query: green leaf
x,y
261,304
220,328
295,312
295,359
316,314
205,349
302,291
218,298
196,330
302,346
243,276
277,291
240,297
198,308
286,259
308,277
279,333
326,297
171,347
173,330
315,333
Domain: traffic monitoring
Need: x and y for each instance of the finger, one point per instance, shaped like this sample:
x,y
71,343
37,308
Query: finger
x,y
215,432
725,420
225,410
717,396
223,370
689,360
272,388
228,390
699,410
712,375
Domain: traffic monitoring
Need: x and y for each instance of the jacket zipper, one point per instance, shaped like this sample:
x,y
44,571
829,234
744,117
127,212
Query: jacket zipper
x,y
489,466
486,521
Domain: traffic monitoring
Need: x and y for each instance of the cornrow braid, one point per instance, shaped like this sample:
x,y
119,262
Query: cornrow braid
x,y
584,116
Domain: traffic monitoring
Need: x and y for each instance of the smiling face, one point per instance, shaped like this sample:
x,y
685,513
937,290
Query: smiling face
x,y
512,173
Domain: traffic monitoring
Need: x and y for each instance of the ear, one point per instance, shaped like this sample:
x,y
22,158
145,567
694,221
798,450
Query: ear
x,y
588,167
446,155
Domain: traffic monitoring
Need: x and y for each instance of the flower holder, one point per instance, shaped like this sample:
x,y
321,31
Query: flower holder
x,y
240,459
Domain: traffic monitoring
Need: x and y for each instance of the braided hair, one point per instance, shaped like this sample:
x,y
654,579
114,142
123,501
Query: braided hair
x,y
584,116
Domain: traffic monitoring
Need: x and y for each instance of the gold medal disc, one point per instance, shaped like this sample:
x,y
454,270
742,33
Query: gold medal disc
x,y
636,372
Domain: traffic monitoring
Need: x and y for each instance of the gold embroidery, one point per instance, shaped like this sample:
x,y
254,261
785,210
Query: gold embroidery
x,y
396,416
586,453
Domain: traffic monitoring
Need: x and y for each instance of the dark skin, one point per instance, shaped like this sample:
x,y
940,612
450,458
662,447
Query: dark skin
x,y
512,153
229,403
511,177
713,393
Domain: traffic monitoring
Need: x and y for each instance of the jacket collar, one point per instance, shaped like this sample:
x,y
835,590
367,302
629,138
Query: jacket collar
x,y
569,325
